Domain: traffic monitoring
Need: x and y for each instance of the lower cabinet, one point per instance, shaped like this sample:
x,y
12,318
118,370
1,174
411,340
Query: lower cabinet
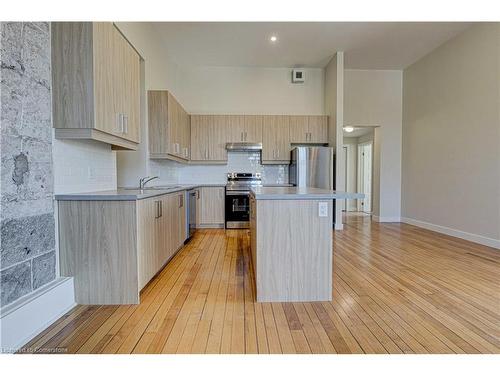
x,y
210,207
112,249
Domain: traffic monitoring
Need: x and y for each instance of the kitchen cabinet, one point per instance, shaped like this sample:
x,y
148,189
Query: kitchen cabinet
x,y
209,138
276,140
179,129
318,129
245,128
210,207
253,129
236,128
309,129
95,84
169,127
112,249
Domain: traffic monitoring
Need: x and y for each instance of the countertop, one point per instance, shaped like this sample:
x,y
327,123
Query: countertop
x,y
130,194
300,193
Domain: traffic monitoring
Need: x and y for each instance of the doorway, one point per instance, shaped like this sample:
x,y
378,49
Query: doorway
x,y
365,157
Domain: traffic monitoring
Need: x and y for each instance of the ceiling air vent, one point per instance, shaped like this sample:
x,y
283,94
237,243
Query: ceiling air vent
x,y
298,76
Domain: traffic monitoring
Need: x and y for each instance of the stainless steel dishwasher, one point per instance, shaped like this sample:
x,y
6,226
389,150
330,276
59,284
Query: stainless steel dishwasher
x,y
192,196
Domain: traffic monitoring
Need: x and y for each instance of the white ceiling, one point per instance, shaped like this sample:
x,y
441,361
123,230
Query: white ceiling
x,y
367,45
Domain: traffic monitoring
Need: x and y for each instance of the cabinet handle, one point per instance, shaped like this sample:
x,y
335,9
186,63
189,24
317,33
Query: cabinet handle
x,y
278,153
157,207
119,123
161,208
181,201
197,194
125,124
245,136
241,136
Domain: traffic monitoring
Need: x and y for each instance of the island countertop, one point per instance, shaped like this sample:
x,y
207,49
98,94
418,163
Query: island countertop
x,y
300,193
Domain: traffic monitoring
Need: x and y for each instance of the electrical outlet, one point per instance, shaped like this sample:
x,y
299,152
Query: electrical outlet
x,y
323,209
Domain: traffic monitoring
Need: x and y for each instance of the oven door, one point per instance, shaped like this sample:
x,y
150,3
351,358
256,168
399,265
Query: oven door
x,y
237,209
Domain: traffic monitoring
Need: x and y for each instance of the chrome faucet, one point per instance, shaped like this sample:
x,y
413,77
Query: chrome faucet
x,y
144,180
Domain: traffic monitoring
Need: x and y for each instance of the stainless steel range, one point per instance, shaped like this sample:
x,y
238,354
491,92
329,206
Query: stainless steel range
x,y
238,198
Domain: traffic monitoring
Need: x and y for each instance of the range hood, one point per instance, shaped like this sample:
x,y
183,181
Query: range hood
x,y
243,146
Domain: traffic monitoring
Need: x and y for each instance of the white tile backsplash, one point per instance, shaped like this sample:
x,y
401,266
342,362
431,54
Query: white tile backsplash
x,y
166,170
82,166
236,162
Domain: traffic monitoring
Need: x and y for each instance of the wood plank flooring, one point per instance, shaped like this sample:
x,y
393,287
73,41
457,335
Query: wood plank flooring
x,y
397,289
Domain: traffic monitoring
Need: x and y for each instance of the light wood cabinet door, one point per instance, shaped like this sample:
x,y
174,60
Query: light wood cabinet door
x,y
211,206
107,85
318,129
164,241
186,130
158,122
236,128
173,142
253,129
131,109
181,217
299,129
200,130
148,241
276,139
217,139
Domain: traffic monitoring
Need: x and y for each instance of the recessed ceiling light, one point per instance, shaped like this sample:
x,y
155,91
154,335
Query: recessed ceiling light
x,y
348,129
273,38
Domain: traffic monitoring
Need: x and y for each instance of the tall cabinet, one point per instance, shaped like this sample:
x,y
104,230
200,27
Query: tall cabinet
x,y
95,84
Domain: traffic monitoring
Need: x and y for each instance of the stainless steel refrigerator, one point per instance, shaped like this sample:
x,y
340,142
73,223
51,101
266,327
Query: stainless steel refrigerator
x,y
312,166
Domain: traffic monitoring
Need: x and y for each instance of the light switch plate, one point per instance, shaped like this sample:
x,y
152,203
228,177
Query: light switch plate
x,y
323,209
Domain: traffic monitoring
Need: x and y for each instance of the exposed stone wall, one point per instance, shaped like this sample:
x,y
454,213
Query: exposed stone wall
x,y
27,257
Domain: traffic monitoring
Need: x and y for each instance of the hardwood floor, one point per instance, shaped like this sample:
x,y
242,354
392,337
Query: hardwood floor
x,y
397,289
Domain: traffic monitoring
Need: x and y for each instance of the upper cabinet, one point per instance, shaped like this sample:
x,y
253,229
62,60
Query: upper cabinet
x,y
169,127
253,128
244,128
276,140
209,135
95,83
309,129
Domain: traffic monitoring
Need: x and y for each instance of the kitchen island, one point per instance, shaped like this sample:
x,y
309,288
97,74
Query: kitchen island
x,y
291,242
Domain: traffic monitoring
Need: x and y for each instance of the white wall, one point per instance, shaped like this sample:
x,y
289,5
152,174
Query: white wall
x,y
451,181
374,98
250,90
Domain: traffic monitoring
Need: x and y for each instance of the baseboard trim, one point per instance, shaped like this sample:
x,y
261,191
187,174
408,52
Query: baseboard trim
x,y
486,241
386,219
24,319
338,226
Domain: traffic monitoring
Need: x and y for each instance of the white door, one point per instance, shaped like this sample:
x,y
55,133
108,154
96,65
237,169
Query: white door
x,y
365,176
